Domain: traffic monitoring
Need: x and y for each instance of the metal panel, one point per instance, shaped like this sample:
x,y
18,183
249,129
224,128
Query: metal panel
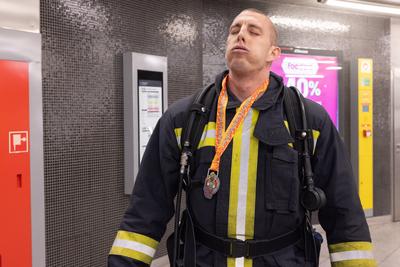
x,y
396,145
354,119
23,46
20,15
395,112
132,63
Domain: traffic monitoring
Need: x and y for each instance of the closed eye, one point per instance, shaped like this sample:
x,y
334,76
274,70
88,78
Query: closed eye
x,y
234,30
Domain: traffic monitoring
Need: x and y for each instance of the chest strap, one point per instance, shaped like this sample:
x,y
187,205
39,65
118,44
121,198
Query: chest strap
x,y
249,248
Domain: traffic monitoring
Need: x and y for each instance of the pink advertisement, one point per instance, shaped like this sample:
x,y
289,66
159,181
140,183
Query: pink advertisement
x,y
315,76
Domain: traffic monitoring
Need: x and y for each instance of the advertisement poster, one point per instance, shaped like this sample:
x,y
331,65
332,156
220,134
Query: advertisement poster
x,y
315,76
150,110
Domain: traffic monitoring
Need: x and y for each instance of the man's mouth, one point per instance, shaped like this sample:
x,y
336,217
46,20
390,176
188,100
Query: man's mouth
x,y
240,48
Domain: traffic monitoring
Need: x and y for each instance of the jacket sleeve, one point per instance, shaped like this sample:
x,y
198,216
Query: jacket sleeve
x,y
151,203
342,218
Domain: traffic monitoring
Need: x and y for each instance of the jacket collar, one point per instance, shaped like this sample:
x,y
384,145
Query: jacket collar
x,y
267,100
270,128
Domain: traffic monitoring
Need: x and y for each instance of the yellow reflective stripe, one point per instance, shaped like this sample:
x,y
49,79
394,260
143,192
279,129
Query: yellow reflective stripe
x,y
314,132
131,254
142,239
231,262
208,135
355,263
252,179
234,188
135,246
287,127
248,262
242,196
315,137
252,182
178,134
352,254
349,246
234,183
286,124
243,178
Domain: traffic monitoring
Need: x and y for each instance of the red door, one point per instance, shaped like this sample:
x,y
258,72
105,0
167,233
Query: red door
x,y
15,218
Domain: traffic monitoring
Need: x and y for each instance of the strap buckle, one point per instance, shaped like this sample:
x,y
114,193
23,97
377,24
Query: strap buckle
x,y
239,248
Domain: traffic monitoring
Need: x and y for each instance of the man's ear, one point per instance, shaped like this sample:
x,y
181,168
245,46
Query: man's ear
x,y
275,52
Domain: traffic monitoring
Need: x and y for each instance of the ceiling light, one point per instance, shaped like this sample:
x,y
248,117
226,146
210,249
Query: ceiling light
x,y
309,24
364,6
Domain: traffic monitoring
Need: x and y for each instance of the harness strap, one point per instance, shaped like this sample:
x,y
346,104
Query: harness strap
x,y
250,248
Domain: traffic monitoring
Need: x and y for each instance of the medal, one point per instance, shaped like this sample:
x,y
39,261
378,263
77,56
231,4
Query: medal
x,y
211,184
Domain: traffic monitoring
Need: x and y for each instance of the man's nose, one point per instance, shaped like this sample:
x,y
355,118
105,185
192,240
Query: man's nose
x,y
241,34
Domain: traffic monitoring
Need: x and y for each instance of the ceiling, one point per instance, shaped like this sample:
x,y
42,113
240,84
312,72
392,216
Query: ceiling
x,y
314,3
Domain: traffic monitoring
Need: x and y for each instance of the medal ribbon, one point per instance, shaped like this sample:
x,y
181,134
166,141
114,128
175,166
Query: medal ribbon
x,y
223,138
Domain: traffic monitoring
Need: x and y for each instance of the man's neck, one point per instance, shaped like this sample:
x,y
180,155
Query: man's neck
x,y
243,86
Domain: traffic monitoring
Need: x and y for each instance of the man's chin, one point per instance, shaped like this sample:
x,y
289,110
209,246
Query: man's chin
x,y
239,68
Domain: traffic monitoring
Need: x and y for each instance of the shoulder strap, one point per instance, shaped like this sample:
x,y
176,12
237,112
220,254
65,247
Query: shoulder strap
x,y
197,118
190,137
293,114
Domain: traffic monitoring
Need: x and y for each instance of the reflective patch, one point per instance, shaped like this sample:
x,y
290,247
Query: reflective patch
x,y
178,134
207,137
349,254
315,137
135,246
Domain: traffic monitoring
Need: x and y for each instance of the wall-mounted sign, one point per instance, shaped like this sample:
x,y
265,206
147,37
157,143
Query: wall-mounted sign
x,y
314,73
145,100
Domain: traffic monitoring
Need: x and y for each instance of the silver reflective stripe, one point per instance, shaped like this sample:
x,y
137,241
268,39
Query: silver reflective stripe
x,y
243,182
208,134
352,255
243,177
136,246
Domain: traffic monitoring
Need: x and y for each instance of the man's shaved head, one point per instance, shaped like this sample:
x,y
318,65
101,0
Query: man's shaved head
x,y
251,43
273,31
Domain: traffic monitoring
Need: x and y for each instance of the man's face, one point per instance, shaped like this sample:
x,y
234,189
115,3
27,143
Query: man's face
x,y
249,46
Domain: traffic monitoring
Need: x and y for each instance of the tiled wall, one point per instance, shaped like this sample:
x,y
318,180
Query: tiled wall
x,y
83,42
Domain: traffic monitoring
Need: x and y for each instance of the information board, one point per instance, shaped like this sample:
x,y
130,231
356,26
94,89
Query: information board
x,y
150,110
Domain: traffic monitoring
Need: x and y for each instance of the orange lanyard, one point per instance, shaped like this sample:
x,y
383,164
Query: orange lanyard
x,y
223,138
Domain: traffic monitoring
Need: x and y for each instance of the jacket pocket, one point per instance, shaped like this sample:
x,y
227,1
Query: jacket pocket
x,y
282,180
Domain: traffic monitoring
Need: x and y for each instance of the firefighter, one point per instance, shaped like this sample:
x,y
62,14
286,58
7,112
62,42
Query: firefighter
x,y
245,193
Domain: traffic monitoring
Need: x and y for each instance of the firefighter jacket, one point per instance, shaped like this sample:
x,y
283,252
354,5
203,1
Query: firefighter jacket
x,y
259,192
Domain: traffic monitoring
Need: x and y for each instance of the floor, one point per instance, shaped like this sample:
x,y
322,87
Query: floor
x,y
385,237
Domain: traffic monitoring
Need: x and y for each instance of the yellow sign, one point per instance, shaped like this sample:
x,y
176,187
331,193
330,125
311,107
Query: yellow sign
x,y
365,133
